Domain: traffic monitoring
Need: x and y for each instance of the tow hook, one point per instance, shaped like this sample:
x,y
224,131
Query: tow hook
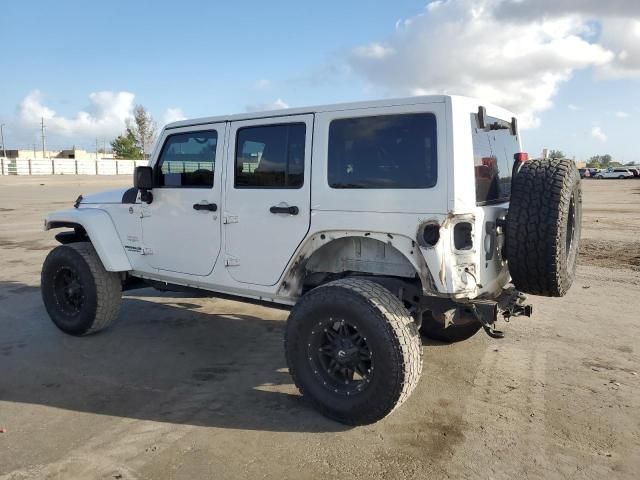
x,y
516,306
489,309
511,304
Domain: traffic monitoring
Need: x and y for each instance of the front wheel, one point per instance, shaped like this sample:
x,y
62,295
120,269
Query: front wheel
x,y
353,350
80,296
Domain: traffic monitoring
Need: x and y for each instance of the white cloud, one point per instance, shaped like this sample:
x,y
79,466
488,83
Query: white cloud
x,y
173,115
527,9
276,105
622,36
460,47
618,20
574,108
263,84
105,115
598,134
622,115
374,50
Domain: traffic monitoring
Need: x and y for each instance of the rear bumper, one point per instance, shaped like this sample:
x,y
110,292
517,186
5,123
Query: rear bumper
x,y
510,303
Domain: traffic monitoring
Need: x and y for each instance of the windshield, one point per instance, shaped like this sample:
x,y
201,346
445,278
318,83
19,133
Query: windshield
x,y
493,151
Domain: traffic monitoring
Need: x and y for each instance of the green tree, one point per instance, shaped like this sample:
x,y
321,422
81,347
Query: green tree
x,y
593,164
125,146
603,160
143,128
556,155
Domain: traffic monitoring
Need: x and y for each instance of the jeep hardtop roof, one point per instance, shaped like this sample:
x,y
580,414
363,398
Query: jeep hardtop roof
x,y
473,104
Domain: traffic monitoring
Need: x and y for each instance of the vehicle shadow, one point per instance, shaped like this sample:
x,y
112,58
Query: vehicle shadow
x,y
167,360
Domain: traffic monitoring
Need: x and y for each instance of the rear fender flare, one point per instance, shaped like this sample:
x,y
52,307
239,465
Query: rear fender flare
x,y
407,248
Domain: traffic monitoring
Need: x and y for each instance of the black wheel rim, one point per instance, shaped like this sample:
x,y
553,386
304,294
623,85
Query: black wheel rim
x,y
68,291
340,357
571,227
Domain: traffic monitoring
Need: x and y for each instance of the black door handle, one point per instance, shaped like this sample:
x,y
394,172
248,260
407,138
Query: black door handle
x,y
212,207
289,210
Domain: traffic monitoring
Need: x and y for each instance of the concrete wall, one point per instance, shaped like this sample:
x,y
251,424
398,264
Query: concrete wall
x,y
60,166
49,154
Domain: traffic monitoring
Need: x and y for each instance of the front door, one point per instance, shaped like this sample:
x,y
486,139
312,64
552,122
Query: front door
x,y
181,226
267,212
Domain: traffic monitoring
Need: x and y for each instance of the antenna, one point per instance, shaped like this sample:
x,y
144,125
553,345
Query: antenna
x,y
43,137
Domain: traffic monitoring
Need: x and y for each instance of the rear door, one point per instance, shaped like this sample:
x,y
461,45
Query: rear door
x,y
267,210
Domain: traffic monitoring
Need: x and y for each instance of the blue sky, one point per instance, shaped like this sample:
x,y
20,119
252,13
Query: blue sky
x,y
570,72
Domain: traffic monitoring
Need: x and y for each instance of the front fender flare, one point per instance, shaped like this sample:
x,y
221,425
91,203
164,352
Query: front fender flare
x,y
101,231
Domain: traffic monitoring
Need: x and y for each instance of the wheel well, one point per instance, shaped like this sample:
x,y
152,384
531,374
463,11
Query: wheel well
x,y
331,257
79,233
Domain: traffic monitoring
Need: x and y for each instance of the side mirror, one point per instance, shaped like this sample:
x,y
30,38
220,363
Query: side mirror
x,y
143,181
143,178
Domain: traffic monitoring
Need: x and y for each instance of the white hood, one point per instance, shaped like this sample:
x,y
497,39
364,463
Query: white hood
x,y
108,196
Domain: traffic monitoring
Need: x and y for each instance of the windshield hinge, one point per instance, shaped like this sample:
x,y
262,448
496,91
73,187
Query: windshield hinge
x,y
231,261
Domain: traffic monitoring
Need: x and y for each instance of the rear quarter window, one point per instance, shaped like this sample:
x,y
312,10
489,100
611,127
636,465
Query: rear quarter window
x,y
384,151
493,151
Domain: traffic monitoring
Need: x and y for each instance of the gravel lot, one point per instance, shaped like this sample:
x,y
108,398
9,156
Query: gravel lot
x,y
198,388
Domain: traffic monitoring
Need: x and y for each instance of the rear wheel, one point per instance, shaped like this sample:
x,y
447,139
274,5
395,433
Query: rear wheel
x,y
353,350
80,296
450,326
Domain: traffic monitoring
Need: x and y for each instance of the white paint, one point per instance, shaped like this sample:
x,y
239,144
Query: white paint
x,y
183,239
260,247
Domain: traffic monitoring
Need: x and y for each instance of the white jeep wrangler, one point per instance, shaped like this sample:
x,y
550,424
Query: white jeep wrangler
x,y
374,220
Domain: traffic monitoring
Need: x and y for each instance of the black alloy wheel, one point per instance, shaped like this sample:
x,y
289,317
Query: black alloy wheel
x,y
68,290
340,357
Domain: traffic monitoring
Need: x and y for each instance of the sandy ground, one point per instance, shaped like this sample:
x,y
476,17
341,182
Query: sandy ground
x,y
198,388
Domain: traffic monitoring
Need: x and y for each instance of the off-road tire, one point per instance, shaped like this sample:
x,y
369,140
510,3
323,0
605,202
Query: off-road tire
x,y
437,330
543,227
390,332
101,290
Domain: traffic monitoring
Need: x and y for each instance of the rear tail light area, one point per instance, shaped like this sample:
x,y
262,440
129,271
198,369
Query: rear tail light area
x,y
430,235
521,157
463,236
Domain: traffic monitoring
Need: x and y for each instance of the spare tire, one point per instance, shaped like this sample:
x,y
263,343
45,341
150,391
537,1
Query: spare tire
x,y
543,226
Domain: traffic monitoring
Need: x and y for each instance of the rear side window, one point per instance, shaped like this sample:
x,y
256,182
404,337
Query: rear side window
x,y
188,160
493,151
270,156
386,151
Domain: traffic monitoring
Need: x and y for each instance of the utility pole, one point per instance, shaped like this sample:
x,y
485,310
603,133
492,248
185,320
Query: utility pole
x,y
4,149
43,136
96,148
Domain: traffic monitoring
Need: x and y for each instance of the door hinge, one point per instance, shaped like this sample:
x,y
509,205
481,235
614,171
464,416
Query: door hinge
x,y
144,213
230,219
231,261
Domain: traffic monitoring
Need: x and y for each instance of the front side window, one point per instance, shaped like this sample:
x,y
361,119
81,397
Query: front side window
x,y
188,160
493,151
386,151
270,156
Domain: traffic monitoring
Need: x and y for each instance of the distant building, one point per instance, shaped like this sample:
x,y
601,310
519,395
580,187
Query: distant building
x,y
73,153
